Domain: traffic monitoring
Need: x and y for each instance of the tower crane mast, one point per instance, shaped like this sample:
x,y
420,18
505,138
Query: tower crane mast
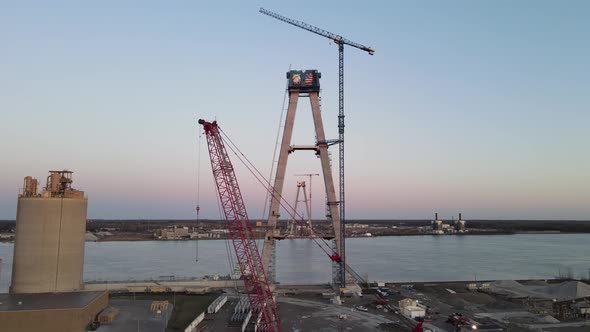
x,y
256,283
340,41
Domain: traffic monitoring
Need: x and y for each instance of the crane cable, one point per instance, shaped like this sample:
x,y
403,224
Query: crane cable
x,y
274,154
286,205
198,208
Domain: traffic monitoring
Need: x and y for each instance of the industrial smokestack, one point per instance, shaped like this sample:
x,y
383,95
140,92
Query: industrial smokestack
x,y
436,216
460,217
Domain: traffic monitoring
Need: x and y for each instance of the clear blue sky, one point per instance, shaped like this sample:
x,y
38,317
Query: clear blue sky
x,y
480,107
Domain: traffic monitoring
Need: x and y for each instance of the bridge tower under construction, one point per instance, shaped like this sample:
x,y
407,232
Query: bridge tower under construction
x,y
305,84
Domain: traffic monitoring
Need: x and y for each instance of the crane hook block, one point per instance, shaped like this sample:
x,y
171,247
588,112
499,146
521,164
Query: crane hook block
x,y
335,258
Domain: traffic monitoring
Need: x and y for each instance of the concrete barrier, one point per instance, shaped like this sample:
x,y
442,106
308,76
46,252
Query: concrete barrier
x,y
246,321
193,325
258,320
217,304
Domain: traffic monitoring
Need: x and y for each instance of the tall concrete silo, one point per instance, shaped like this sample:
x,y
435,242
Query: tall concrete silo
x,y
49,243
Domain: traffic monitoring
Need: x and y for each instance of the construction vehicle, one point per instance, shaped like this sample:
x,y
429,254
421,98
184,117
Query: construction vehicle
x,y
459,321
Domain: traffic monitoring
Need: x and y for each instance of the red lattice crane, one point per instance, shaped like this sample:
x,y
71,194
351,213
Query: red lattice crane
x,y
256,283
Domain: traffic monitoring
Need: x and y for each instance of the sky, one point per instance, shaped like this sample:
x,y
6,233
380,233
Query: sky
x,y
479,107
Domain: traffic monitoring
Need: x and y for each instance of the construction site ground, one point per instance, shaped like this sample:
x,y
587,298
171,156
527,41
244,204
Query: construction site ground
x,y
135,311
303,308
135,315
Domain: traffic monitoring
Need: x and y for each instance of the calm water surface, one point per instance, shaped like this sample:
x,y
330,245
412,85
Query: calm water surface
x,y
411,258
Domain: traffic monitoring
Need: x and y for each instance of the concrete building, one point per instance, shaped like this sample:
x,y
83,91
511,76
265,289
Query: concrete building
x,y
70,311
413,312
46,291
411,309
49,243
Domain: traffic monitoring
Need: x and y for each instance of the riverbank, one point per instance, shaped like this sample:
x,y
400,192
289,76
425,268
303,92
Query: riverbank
x,y
156,230
137,237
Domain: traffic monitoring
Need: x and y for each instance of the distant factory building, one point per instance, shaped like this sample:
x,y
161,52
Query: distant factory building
x,y
460,225
46,291
174,233
437,225
440,227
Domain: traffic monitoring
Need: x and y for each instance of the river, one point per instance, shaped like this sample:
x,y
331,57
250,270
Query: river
x,y
394,258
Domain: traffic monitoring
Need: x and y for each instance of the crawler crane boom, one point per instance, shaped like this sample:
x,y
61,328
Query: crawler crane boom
x,y
256,284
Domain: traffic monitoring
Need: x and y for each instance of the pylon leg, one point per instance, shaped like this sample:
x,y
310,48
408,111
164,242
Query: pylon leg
x,y
322,151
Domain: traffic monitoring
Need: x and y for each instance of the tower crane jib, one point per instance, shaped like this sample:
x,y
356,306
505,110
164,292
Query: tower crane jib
x,y
336,38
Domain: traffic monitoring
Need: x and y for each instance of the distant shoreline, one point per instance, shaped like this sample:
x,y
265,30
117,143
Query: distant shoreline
x,y
151,230
142,239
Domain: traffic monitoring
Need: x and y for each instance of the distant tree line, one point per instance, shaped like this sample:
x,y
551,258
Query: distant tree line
x,y
7,225
140,226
